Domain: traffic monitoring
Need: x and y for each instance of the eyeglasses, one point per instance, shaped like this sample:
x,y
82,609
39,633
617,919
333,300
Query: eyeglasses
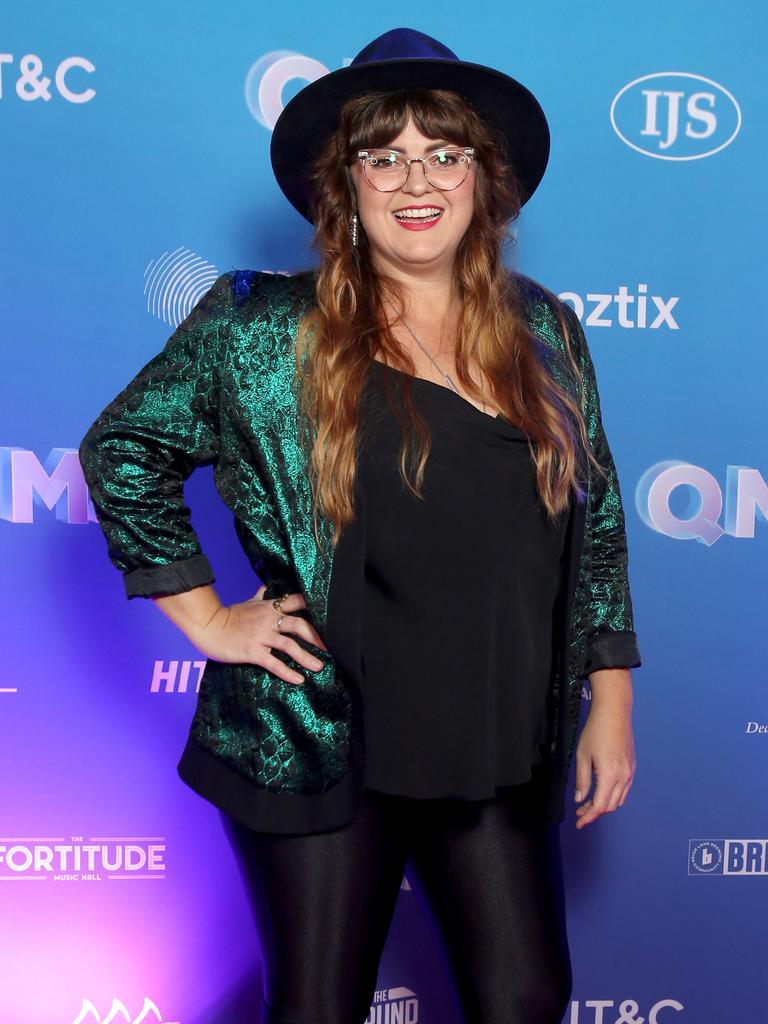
x,y
388,170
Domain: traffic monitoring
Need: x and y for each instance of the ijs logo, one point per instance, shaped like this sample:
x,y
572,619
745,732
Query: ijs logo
x,y
90,1015
675,115
728,856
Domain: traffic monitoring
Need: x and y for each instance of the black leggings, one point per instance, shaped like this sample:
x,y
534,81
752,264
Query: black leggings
x,y
488,873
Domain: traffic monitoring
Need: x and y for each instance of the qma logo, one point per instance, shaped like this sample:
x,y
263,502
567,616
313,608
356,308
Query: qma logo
x,y
746,494
728,856
268,76
675,115
57,483
391,1004
89,1013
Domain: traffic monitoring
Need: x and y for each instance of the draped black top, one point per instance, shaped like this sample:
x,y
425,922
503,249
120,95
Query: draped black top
x,y
458,598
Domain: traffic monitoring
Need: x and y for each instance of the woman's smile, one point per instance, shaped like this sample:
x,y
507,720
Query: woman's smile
x,y
418,218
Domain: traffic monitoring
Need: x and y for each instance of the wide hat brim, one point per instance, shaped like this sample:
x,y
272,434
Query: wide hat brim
x,y
312,115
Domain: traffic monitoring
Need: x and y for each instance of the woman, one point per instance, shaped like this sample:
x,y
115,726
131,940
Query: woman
x,y
411,443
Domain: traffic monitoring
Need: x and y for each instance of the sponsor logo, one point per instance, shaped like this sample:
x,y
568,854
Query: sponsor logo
x,y
728,857
268,77
746,494
394,1004
625,309
149,1012
175,282
82,859
31,84
603,1011
176,676
675,115
57,483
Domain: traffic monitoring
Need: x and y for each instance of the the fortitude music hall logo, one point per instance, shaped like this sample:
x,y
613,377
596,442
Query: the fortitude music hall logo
x,y
675,115
728,857
82,859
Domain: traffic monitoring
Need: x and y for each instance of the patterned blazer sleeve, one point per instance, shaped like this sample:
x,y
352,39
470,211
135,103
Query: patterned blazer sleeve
x,y
147,441
610,636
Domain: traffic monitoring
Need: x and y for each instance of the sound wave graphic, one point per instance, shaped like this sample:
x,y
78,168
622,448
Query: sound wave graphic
x,y
175,282
88,1012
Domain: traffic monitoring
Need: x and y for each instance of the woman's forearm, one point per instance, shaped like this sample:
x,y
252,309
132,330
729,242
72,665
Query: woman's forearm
x,y
191,610
612,686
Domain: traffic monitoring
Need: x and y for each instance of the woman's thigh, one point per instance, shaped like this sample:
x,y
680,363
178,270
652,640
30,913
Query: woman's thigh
x,y
489,874
323,905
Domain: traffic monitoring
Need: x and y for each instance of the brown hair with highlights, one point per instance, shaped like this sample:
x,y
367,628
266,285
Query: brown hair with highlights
x,y
339,336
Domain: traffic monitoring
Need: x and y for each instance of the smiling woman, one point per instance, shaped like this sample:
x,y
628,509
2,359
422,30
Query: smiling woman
x,y
440,187
404,689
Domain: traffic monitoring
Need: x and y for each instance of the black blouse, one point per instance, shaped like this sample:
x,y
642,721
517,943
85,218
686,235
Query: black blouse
x,y
458,600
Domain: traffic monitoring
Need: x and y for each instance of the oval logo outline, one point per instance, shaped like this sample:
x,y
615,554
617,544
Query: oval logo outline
x,y
675,74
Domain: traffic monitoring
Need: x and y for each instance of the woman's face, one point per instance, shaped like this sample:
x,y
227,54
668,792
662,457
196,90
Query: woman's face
x,y
395,245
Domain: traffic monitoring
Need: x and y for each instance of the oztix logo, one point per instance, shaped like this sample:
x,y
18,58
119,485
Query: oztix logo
x,y
675,115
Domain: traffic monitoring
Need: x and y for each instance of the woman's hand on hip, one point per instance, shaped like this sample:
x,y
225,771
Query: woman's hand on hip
x,y
606,746
246,632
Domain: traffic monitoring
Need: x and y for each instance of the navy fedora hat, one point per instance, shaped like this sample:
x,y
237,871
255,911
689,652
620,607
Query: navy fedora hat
x,y
399,59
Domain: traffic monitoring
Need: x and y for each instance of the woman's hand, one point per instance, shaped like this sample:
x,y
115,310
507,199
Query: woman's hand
x,y
245,632
606,744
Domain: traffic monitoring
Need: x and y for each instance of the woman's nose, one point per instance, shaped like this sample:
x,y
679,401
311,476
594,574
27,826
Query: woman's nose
x,y
416,182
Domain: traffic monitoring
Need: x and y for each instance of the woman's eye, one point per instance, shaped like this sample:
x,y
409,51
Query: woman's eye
x,y
385,160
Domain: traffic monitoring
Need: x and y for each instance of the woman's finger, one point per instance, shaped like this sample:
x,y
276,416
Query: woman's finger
x,y
598,804
289,646
302,627
278,668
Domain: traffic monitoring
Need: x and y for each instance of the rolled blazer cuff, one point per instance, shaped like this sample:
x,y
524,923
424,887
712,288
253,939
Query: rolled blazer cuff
x,y
173,578
612,649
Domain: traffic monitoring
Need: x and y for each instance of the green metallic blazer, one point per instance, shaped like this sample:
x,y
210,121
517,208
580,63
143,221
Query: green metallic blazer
x,y
280,757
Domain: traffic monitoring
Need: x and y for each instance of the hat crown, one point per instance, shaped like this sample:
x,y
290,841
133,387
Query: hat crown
x,y
403,44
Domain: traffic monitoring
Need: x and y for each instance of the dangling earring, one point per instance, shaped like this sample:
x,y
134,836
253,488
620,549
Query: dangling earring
x,y
353,228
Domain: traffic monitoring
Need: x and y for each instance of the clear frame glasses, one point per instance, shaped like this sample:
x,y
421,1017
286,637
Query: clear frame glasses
x,y
388,170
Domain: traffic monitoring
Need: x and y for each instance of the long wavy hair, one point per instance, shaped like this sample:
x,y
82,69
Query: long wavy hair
x,y
339,335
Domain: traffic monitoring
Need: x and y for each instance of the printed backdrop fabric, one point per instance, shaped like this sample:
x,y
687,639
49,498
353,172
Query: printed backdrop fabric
x,y
135,171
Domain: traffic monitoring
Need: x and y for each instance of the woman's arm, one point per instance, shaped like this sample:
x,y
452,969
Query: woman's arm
x,y
606,744
611,638
139,451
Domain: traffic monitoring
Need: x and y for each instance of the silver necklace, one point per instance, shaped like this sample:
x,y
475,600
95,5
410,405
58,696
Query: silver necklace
x,y
439,369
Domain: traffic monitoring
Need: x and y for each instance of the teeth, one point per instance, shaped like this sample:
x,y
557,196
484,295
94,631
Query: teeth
x,y
432,211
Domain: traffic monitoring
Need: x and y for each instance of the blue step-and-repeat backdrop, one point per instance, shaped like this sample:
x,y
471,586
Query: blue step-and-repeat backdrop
x,y
135,169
